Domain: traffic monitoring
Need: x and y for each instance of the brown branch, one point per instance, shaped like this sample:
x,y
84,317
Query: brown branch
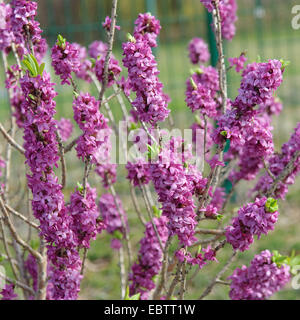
x,y
208,290
17,283
70,146
147,203
20,216
164,269
136,205
6,248
15,234
284,174
175,281
110,46
210,231
10,140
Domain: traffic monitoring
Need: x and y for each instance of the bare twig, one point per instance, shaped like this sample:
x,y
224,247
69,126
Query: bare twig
x,y
122,272
22,217
6,248
136,205
17,283
210,231
10,140
125,227
70,146
109,49
284,174
15,234
147,203
268,170
208,290
163,273
175,281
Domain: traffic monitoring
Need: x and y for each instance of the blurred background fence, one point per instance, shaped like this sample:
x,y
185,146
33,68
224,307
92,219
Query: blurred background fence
x,y
264,29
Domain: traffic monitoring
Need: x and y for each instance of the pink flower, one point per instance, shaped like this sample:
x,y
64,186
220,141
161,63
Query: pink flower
x,y
260,280
65,128
147,28
253,219
65,60
107,24
8,292
198,51
149,259
238,62
150,102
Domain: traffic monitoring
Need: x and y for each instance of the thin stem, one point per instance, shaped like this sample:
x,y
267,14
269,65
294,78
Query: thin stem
x,y
122,272
164,269
110,46
17,283
208,290
136,205
175,281
147,203
15,234
125,227
183,281
21,216
6,248
10,140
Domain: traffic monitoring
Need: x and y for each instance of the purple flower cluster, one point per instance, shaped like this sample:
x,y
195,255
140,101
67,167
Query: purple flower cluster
x,y
198,132
259,82
65,60
84,211
149,259
271,107
85,64
151,102
260,280
17,98
107,24
249,129
198,51
258,145
96,49
111,217
65,128
147,28
208,4
92,123
23,26
6,35
31,267
228,9
113,70
238,62
200,259
48,206
201,89
228,16
8,292
253,219
278,162
175,187
138,172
